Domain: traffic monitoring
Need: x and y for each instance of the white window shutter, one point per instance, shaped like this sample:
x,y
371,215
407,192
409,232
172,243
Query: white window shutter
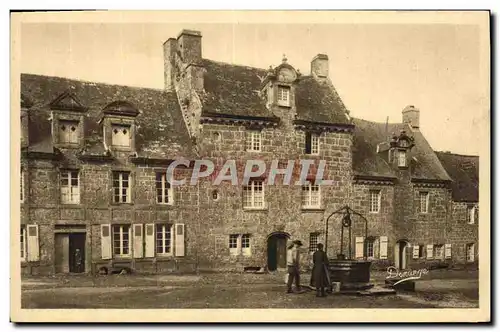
x,y
33,244
429,250
383,247
359,247
447,250
138,247
106,241
416,249
179,240
150,240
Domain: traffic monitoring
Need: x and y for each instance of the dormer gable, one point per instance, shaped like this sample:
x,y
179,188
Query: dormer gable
x,y
67,116
279,84
400,146
118,122
67,101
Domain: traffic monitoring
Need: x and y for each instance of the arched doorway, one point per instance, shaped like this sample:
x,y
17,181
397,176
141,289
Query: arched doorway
x,y
400,254
276,250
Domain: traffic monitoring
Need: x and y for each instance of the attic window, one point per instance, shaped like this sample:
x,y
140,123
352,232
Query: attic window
x,y
120,135
402,158
284,96
68,132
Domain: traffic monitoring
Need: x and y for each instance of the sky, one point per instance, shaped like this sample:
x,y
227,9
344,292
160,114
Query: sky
x,y
377,69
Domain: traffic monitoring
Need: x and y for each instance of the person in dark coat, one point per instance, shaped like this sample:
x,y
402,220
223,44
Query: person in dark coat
x,y
319,272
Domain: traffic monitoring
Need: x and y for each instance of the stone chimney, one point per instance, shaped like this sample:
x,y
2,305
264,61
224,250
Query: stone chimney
x,y
319,66
169,50
182,61
411,116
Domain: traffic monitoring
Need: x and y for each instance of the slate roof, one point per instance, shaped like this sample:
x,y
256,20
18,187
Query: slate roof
x,y
464,171
233,90
367,162
161,132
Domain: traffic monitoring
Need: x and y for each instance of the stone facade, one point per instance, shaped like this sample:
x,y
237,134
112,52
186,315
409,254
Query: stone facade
x,y
206,112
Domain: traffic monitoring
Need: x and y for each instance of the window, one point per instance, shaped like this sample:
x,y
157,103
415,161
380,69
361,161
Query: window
x,y
313,242
121,186
23,243
22,186
245,245
311,196
470,252
402,158
253,195
420,251
283,96
471,214
370,248
375,201
438,251
424,202
120,135
70,187
164,239
240,244
68,132
253,140
121,240
164,193
312,143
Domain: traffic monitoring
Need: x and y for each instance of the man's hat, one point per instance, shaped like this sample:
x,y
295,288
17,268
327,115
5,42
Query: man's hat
x,y
297,242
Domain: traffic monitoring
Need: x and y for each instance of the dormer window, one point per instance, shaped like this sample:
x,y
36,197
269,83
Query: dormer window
x,y
284,96
69,132
120,135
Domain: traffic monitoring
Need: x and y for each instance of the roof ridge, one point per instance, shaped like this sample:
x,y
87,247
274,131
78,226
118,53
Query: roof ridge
x,y
233,64
94,82
375,122
457,154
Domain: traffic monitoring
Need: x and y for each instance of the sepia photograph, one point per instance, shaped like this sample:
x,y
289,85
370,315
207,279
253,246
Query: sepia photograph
x,y
258,163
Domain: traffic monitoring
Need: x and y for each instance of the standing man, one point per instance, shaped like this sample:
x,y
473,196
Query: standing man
x,y
320,270
293,264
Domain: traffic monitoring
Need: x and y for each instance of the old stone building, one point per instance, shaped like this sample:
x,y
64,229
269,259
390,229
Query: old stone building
x,y
95,192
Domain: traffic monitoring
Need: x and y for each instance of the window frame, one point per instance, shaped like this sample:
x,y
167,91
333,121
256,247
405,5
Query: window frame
x,y
313,241
69,138
378,192
165,189
120,187
307,189
370,242
471,214
281,92
233,244
468,246
166,228
251,187
253,138
427,195
121,127
441,251
246,244
70,188
121,233
402,162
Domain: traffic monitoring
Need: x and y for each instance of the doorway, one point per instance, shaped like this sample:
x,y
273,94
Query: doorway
x,y
276,251
400,252
70,252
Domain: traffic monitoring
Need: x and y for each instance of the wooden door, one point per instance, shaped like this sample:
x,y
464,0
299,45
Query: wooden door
x,y
61,253
281,252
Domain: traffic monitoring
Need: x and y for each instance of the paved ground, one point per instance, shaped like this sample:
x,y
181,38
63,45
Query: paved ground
x,y
439,289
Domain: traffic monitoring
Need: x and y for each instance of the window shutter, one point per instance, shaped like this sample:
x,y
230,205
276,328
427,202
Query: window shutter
x,y
33,244
429,251
416,249
359,247
308,143
447,250
476,215
106,241
179,240
150,240
138,246
383,247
